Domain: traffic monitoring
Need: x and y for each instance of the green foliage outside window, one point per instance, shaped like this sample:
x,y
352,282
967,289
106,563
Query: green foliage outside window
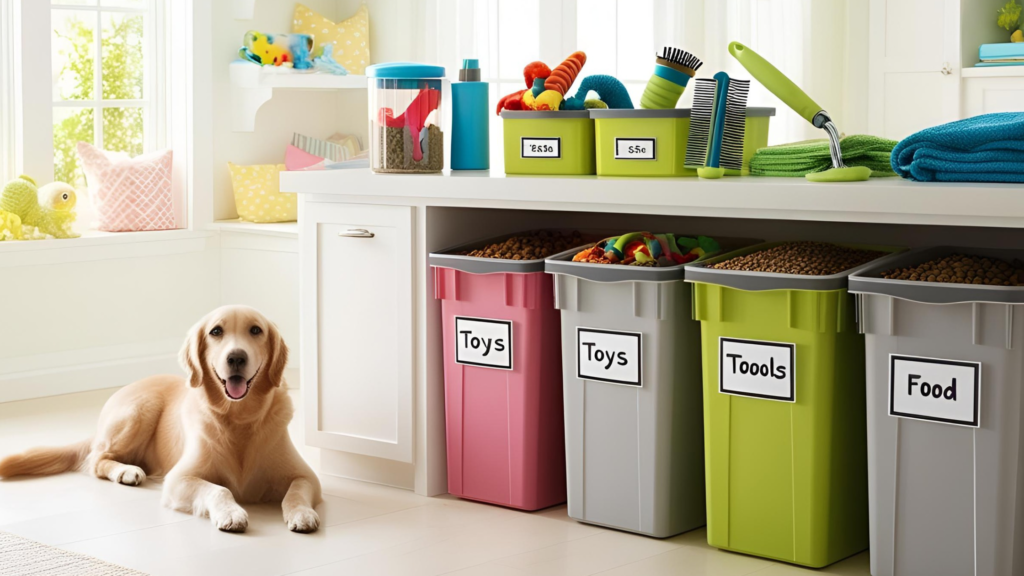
x,y
123,72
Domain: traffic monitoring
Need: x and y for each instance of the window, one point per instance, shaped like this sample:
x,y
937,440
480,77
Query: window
x,y
7,76
104,79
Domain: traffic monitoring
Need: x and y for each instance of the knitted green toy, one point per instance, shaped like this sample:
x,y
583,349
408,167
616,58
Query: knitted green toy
x,y
21,197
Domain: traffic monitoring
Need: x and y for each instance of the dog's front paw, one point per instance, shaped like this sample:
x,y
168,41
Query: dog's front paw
x,y
303,520
231,519
129,475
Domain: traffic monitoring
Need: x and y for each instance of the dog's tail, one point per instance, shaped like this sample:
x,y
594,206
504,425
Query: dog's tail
x,y
44,461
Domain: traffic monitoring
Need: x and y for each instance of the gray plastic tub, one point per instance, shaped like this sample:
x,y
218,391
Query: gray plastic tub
x,y
946,483
634,434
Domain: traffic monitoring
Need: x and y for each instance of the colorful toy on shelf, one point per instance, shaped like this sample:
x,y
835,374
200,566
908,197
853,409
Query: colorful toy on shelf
x,y
672,72
611,94
548,89
717,126
649,250
54,216
326,63
291,50
10,226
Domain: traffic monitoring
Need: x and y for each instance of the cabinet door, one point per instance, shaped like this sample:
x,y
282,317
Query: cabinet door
x,y
357,327
914,65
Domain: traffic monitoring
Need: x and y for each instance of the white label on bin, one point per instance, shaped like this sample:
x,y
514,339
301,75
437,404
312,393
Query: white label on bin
x,y
947,391
636,149
483,342
541,147
609,356
757,369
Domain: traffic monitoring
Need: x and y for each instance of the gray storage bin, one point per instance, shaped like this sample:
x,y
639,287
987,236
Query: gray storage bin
x,y
634,438
946,484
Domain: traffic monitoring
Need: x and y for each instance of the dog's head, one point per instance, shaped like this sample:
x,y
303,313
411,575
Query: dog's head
x,y
234,351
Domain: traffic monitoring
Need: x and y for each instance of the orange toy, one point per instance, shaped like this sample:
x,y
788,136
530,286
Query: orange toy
x,y
564,74
535,70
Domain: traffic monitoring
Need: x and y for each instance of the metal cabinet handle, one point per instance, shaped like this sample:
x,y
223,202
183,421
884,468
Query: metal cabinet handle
x,y
356,233
946,69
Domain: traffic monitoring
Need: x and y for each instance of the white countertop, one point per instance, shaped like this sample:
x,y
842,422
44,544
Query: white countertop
x,y
881,200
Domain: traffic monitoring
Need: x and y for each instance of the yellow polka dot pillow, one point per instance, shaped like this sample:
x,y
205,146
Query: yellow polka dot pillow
x,y
258,195
351,38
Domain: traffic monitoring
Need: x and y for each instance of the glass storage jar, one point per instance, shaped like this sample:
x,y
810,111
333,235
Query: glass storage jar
x,y
406,121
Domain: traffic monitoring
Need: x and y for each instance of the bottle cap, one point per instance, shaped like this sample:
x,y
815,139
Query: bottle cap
x,y
470,71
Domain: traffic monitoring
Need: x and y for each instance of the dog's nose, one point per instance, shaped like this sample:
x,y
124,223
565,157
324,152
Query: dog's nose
x,y
237,359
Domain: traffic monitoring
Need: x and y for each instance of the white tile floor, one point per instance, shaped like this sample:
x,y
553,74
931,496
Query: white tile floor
x,y
366,530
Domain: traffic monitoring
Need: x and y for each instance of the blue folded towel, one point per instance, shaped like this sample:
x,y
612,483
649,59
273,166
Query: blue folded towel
x,y
987,148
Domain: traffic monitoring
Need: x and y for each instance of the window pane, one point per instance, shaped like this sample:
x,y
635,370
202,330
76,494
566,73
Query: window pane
x,y
635,39
125,3
518,36
70,126
73,55
595,35
123,65
123,130
74,2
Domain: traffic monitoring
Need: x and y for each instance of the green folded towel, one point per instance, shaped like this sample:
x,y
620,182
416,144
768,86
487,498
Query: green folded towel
x,y
801,158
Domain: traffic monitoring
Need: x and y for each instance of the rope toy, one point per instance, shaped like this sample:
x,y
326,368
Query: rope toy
x,y
565,74
609,89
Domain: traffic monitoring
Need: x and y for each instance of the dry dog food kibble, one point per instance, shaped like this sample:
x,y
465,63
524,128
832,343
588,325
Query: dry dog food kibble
x,y
963,269
530,246
806,258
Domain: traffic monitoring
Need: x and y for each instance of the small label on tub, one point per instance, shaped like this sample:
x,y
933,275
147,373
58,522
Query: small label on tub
x,y
483,342
609,356
636,149
757,369
947,391
541,147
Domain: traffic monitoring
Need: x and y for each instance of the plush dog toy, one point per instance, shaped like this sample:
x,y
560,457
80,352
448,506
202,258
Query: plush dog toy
x,y
52,214
292,50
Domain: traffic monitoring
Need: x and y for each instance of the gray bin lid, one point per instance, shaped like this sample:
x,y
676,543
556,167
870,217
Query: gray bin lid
x,y
643,113
759,281
869,280
474,265
563,264
546,114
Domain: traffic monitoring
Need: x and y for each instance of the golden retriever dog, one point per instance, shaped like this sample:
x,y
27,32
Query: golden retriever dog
x,y
219,436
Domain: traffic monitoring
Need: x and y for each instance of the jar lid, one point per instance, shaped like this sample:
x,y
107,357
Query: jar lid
x,y
404,70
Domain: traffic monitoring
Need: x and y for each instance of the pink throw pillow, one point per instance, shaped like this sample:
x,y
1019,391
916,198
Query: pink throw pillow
x,y
129,194
296,159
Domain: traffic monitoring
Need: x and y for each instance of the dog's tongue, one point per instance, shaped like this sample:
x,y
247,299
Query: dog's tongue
x,y
235,387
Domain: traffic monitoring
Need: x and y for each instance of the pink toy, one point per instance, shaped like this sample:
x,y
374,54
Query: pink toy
x,y
414,117
506,442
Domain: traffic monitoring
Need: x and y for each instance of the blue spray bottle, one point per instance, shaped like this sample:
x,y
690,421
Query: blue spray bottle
x,y
470,130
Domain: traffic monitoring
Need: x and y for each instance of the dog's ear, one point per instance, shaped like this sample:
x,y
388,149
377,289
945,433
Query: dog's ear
x,y
191,355
278,355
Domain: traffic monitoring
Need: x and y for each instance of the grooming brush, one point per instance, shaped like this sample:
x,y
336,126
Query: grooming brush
x,y
717,126
673,70
801,103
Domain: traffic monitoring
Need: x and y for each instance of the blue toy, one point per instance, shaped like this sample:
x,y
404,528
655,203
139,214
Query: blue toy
x,y
609,89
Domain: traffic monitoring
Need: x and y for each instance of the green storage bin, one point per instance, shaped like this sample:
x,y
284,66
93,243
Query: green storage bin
x,y
653,142
786,462
548,142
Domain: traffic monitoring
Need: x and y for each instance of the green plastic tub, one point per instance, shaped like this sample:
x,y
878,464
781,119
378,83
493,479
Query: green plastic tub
x,y
549,142
785,450
653,142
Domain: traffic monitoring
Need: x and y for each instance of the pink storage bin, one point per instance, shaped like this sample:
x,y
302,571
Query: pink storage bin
x,y
503,380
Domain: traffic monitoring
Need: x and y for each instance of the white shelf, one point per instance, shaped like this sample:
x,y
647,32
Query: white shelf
x,y
882,200
278,229
993,72
254,85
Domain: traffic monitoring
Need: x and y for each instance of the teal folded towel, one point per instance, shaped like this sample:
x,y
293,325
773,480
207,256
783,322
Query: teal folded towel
x,y
987,148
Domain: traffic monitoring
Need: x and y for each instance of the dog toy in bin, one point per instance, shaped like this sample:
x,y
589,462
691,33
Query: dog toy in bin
x,y
648,250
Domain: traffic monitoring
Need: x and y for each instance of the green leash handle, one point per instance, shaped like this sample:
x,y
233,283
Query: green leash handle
x,y
775,81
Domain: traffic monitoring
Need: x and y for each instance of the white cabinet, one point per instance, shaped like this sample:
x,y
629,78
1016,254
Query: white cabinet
x,y
988,90
357,328
914,65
